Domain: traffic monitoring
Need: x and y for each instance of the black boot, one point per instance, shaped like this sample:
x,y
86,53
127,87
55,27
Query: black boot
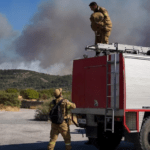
x,y
97,53
88,142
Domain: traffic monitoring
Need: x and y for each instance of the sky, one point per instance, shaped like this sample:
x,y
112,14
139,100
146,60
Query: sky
x,y
47,35
19,12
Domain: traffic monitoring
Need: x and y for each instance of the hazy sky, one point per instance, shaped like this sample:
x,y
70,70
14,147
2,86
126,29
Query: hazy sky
x,y
19,12
47,35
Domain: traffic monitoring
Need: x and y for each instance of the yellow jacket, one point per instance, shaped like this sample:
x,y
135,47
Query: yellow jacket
x,y
66,106
97,21
107,20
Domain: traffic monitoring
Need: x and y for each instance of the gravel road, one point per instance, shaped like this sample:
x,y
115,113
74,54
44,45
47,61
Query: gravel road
x,y
19,131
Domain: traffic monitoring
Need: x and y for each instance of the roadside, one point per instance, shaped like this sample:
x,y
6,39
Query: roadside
x,y
8,108
19,130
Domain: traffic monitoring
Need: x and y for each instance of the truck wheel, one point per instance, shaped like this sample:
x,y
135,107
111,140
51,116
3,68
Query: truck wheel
x,y
108,141
144,136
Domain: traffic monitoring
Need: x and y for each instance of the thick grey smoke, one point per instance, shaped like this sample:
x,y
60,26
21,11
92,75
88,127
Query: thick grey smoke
x,y
144,30
6,30
127,17
58,33
60,30
6,33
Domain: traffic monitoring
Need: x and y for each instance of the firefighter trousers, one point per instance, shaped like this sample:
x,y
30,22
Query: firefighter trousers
x,y
65,132
102,37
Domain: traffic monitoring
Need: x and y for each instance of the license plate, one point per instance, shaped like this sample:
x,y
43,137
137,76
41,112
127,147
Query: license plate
x,y
82,121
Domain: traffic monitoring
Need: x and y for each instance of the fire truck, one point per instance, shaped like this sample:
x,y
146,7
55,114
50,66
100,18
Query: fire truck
x,y
112,95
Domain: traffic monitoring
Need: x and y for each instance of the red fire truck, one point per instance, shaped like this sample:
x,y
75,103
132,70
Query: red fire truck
x,y
112,95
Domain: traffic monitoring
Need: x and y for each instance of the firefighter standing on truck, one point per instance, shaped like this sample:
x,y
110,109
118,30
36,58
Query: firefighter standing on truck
x,y
100,23
106,26
62,128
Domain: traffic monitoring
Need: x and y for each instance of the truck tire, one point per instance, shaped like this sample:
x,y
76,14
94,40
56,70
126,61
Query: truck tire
x,y
144,136
109,140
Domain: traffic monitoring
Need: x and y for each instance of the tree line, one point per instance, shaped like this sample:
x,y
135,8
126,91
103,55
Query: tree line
x,y
9,97
23,79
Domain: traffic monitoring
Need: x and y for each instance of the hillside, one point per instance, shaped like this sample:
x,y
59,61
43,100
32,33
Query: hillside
x,y
23,79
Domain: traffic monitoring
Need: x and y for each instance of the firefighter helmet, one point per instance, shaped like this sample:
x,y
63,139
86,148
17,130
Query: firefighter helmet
x,y
57,92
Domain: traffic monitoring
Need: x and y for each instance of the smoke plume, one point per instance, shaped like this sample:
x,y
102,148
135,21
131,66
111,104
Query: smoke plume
x,y
6,30
58,33
144,29
60,30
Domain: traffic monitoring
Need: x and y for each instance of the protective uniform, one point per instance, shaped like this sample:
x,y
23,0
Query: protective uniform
x,y
97,24
63,128
97,21
106,27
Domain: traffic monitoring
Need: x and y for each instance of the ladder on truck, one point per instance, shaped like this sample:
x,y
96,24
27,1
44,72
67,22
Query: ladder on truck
x,y
122,48
109,96
114,48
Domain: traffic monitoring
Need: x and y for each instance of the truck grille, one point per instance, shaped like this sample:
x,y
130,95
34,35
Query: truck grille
x,y
131,120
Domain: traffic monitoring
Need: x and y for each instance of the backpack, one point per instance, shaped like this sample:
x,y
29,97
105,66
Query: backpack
x,y
55,114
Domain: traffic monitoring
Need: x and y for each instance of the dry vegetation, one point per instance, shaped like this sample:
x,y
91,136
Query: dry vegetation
x,y
42,111
8,108
11,99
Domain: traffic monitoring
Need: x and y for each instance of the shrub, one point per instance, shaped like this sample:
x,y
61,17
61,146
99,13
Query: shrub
x,y
67,95
22,93
2,91
45,94
11,90
43,111
29,94
9,99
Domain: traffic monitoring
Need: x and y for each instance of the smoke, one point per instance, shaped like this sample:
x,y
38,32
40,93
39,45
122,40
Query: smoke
x,y
60,30
6,30
144,29
6,33
58,33
127,18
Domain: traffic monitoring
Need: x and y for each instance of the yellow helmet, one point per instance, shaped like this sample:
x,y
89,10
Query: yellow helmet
x,y
57,92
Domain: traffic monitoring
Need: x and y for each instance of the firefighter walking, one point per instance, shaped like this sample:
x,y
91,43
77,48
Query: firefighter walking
x,y
62,128
104,24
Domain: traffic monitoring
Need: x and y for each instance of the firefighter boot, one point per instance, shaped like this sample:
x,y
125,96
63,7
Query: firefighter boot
x,y
97,54
51,145
68,147
89,142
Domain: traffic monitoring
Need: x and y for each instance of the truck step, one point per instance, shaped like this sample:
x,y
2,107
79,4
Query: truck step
x,y
112,72
109,117
133,131
110,108
111,84
113,96
112,62
108,129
